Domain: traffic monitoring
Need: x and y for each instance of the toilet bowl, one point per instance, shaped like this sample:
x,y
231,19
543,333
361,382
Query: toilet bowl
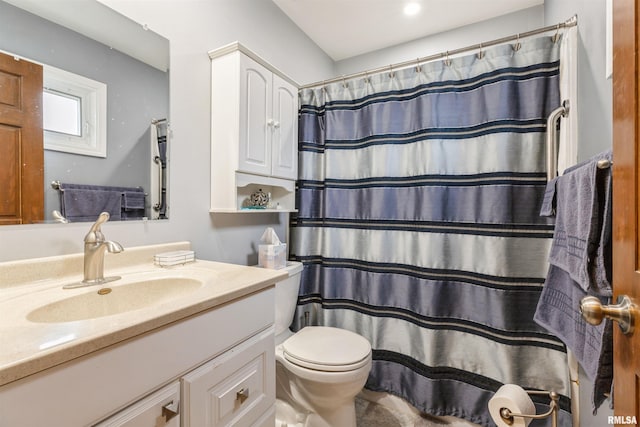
x,y
319,369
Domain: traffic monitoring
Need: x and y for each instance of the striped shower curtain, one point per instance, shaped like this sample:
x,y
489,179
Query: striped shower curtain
x,y
418,225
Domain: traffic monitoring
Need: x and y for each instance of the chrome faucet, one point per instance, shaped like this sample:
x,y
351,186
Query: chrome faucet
x,y
95,246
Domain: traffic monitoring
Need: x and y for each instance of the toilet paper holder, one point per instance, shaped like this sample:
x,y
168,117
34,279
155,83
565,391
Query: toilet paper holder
x,y
508,416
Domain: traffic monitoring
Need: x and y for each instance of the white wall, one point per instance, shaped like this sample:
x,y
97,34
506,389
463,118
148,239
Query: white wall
x,y
595,96
502,26
194,27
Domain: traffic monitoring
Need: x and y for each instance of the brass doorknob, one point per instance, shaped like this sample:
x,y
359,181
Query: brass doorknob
x,y
624,312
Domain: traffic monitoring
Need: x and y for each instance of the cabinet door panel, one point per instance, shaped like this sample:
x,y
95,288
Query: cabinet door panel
x,y
267,420
255,118
285,132
234,389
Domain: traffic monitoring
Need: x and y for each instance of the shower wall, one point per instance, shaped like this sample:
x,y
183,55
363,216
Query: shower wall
x,y
595,107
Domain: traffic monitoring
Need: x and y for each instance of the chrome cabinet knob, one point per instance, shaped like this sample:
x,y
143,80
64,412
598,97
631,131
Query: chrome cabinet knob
x,y
242,395
623,313
170,410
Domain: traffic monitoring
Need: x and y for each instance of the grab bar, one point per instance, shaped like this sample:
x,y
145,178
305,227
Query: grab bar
x,y
552,139
158,161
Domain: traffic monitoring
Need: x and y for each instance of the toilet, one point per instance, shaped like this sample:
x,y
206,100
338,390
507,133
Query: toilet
x,y
319,369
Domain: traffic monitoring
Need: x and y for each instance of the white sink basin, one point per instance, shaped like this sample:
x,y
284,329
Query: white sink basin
x,y
113,298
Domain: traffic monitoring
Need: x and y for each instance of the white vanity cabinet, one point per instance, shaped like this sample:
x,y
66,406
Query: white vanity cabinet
x,y
234,389
160,409
215,357
254,130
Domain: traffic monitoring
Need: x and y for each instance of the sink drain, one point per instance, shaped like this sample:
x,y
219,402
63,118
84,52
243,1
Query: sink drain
x,y
104,291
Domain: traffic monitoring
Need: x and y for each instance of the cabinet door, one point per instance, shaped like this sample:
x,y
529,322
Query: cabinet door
x,y
285,129
160,409
256,117
235,389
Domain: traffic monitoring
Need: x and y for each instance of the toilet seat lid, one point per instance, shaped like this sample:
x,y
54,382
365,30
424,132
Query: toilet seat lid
x,y
325,348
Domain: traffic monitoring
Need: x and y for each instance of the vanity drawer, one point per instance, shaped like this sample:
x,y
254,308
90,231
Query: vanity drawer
x,y
234,389
161,408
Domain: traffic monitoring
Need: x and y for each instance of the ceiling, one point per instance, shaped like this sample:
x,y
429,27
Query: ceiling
x,y
97,21
347,28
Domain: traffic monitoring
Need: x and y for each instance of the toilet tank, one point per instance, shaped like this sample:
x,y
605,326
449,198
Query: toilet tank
x,y
287,296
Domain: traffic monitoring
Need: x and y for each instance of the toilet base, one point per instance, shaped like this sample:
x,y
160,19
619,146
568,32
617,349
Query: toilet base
x,y
287,416
311,397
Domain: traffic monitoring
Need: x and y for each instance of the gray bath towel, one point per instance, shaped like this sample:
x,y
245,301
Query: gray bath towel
x,y
133,205
580,261
559,311
133,200
549,200
85,205
84,202
581,201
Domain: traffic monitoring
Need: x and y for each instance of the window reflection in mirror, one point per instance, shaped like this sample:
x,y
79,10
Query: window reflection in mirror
x,y
61,112
136,93
74,113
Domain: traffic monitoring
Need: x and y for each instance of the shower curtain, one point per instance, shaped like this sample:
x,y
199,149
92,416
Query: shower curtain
x,y
418,225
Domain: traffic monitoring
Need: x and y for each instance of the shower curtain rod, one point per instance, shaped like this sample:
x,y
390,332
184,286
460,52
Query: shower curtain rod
x,y
573,21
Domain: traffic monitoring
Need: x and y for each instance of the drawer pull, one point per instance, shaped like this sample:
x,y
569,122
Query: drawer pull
x,y
242,395
170,410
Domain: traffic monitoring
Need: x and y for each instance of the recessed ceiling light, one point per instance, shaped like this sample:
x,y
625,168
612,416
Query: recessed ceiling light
x,y
412,8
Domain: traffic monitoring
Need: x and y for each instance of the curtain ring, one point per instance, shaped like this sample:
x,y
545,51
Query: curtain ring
x,y
392,73
418,67
556,36
344,83
517,45
480,53
447,61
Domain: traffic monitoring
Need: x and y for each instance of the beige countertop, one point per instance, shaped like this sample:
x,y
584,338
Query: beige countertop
x,y
30,345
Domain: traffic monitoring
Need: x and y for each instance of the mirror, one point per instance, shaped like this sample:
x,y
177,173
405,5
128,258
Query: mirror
x,y
91,40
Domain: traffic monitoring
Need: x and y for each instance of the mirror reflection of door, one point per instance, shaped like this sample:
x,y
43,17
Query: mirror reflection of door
x,y
21,143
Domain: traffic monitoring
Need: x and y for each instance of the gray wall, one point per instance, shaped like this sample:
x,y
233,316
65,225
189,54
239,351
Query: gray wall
x,y
194,27
136,93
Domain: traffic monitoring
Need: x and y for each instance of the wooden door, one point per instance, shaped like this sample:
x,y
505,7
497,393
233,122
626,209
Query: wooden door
x,y
626,203
21,143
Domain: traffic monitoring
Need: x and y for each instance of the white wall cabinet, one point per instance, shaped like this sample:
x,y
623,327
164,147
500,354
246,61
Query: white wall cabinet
x,y
254,130
267,121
